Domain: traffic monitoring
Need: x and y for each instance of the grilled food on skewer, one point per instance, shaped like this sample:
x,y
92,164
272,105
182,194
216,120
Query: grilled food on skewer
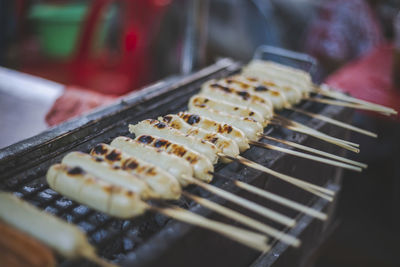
x,y
239,97
157,128
160,181
125,160
279,73
66,239
271,90
250,99
248,126
279,97
120,161
224,106
295,77
189,154
201,165
115,200
176,122
174,165
184,153
225,145
224,129
117,159
171,133
79,185
102,170
248,112
238,136
261,86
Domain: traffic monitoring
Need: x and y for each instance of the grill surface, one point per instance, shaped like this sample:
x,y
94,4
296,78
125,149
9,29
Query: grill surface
x,y
153,239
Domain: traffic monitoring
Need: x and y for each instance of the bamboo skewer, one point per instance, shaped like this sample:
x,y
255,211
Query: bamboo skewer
x,y
248,238
283,73
302,186
341,96
283,176
282,200
307,156
299,125
317,135
335,122
347,104
246,203
316,151
282,121
273,197
312,188
245,220
65,239
265,212
325,136
348,147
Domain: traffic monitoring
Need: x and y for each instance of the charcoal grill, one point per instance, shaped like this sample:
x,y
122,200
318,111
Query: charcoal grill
x,y
152,239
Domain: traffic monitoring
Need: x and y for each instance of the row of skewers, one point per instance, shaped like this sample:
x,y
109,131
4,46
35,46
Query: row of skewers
x,y
223,120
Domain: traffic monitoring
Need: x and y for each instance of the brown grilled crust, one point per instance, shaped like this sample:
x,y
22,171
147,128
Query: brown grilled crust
x,y
168,146
114,156
243,94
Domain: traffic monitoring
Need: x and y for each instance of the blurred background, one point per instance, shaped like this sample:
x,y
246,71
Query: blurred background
x,y
60,59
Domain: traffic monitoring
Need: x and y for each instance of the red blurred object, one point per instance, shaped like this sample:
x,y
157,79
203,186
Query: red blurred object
x,y
370,78
111,72
343,30
74,102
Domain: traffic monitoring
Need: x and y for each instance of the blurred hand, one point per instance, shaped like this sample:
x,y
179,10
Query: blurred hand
x,y
74,102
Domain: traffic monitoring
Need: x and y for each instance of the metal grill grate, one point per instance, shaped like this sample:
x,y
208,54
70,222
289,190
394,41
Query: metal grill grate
x,y
24,166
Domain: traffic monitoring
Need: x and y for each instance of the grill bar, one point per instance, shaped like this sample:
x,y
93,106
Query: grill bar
x,y
153,239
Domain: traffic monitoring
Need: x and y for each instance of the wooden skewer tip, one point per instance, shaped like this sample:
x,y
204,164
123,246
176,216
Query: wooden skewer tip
x,y
283,201
245,220
316,151
335,122
245,237
307,156
265,212
285,177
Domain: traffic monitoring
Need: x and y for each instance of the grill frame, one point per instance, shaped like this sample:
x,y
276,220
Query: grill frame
x,y
27,161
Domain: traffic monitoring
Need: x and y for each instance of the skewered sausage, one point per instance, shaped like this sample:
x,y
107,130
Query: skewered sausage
x,y
224,129
263,69
202,166
161,129
57,234
240,97
224,106
104,171
283,71
103,196
277,98
227,146
159,180
249,127
291,94
171,163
